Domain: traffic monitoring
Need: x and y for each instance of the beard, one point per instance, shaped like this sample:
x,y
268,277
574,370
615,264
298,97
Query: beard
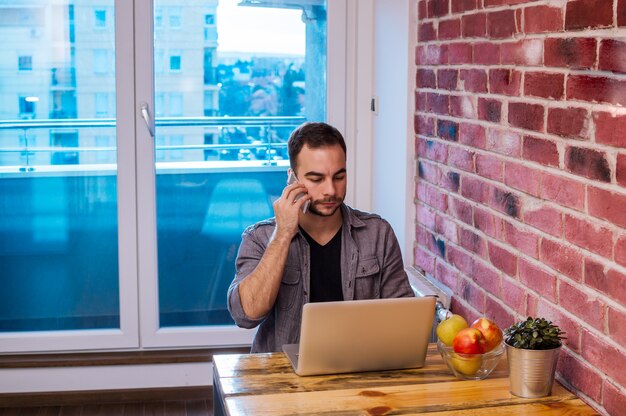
x,y
315,211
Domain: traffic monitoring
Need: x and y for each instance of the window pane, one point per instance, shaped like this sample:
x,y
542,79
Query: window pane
x,y
58,181
255,70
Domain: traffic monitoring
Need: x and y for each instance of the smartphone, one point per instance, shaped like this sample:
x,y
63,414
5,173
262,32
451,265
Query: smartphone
x,y
292,179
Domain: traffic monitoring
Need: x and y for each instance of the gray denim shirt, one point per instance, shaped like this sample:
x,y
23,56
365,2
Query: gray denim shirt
x,y
371,267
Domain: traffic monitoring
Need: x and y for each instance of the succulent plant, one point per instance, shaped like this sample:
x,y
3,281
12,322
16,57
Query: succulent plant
x,y
534,334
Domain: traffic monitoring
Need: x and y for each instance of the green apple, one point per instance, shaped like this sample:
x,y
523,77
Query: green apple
x,y
448,328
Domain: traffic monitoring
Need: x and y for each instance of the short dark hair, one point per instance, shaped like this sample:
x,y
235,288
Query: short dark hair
x,y
314,135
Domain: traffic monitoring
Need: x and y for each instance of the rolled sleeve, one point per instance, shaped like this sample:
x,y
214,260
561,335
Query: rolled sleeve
x,y
395,282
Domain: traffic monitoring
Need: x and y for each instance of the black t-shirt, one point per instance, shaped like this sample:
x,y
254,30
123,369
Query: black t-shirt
x,y
325,269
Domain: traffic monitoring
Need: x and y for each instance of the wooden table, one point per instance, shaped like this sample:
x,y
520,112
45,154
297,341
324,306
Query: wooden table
x,y
265,384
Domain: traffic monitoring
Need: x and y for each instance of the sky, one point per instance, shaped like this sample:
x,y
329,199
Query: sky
x,y
259,29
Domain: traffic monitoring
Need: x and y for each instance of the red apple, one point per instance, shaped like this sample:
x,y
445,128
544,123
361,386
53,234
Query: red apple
x,y
469,341
491,332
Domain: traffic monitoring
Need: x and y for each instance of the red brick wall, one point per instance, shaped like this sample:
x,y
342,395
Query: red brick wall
x,y
521,196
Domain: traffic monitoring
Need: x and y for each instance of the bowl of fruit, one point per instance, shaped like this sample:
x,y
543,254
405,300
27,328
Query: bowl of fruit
x,y
471,352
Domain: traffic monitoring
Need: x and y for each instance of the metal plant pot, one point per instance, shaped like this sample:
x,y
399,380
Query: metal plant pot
x,y
531,372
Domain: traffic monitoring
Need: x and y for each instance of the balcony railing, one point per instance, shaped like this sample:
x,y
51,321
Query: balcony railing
x,y
267,146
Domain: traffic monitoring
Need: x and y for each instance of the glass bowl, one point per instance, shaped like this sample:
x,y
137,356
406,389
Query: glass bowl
x,y
470,366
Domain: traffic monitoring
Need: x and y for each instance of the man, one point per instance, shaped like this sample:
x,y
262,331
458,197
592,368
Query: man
x,y
332,252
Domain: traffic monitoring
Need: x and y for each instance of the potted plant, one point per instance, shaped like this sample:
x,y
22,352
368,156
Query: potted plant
x,y
532,348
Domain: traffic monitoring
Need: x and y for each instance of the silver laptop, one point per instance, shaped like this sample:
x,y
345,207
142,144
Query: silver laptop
x,y
362,335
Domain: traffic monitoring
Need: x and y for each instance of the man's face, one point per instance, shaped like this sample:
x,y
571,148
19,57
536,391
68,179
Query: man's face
x,y
323,172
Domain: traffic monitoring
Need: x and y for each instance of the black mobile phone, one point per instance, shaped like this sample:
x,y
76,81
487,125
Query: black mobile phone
x,y
292,179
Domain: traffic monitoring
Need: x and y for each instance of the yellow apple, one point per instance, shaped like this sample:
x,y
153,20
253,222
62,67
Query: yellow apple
x,y
466,365
448,328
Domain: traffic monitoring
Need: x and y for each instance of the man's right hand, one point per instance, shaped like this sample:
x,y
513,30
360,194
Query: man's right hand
x,y
287,210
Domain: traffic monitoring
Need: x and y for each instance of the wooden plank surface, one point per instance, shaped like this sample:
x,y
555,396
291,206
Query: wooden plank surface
x,y
265,384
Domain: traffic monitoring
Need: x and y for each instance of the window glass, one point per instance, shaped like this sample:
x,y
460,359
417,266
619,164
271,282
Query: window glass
x,y
175,17
102,104
58,191
255,70
100,18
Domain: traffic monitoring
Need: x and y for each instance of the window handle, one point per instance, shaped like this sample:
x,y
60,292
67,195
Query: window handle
x,y
145,114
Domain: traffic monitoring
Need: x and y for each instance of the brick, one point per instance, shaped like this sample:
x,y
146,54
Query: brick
x,y
424,125
425,78
504,81
462,308
524,52
492,3
464,5
422,10
446,275
505,202
545,218
575,53
531,304
502,259
428,171
610,130
522,177
431,55
488,223
501,24
540,19
555,314
462,106
486,278
438,104
446,228
426,32
460,53
449,29
432,150
540,150
437,8
620,250
608,281
486,53
474,25
472,294
607,205
537,279
544,84
475,189
431,196
581,14
450,181
526,116
425,216
525,241
589,308
621,12
613,400
612,55
505,142
461,158
588,235
562,259
489,110
473,135
501,315
424,260
461,210
420,101
489,166
617,325
473,80
514,296
620,170
589,163
596,89
606,358
471,241
448,130
564,191
462,261
580,375
570,122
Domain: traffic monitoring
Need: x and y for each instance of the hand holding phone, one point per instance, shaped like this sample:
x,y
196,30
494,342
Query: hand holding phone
x,y
292,179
